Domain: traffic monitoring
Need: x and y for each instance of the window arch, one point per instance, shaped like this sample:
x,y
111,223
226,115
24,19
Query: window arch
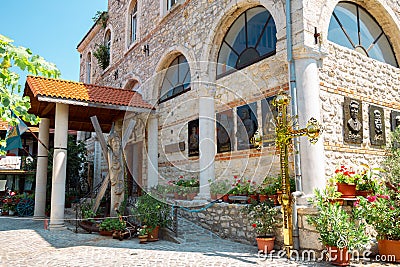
x,y
177,79
251,38
88,67
353,27
133,23
132,85
107,43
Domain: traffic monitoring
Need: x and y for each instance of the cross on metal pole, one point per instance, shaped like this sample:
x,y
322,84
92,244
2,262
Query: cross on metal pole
x,y
284,135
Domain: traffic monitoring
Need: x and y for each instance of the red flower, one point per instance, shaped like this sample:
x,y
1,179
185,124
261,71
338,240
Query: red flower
x,y
346,173
235,177
384,196
336,171
248,181
342,167
391,208
180,177
371,198
357,203
254,225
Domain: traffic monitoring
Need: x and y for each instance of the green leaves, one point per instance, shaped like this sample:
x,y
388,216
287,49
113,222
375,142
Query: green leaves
x,y
22,58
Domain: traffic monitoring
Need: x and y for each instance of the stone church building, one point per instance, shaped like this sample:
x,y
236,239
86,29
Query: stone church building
x,y
210,68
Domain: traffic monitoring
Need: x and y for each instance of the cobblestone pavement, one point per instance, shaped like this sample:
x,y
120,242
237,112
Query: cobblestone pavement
x,y
24,242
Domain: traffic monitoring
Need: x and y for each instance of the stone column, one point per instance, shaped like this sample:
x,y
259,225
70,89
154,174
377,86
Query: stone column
x,y
311,155
206,144
59,167
152,151
41,170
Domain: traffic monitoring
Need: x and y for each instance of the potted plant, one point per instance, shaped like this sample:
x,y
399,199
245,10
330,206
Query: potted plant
x,y
382,211
153,213
340,231
367,180
345,180
263,218
142,234
219,188
109,225
88,216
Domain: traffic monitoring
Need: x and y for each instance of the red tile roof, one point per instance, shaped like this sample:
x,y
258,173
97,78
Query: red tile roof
x,y
41,86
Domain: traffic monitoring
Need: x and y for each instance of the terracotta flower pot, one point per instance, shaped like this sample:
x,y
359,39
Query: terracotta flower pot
x,y
338,256
262,198
153,235
106,233
389,248
347,190
252,198
265,244
225,198
142,239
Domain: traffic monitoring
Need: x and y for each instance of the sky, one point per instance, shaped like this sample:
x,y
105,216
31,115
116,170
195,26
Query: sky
x,y
51,29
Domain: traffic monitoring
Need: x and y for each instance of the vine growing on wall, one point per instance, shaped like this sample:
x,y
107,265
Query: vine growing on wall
x,y
101,18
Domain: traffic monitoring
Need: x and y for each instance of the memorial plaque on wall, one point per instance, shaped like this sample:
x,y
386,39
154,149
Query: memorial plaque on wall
x,y
352,114
246,125
394,120
376,125
193,137
269,113
225,131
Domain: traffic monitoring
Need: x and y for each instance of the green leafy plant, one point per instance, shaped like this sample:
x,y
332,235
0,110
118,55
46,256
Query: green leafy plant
x,y
336,226
270,186
12,57
87,213
382,211
263,218
219,186
102,54
152,212
112,224
391,163
142,231
344,175
368,178
101,17
242,186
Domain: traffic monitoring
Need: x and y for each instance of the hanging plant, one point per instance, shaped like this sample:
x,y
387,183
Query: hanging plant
x,y
102,54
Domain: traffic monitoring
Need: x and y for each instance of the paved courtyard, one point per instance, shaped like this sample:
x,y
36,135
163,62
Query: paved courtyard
x,y
24,242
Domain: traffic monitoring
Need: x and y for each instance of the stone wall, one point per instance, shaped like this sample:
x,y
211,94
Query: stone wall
x,y
196,28
227,221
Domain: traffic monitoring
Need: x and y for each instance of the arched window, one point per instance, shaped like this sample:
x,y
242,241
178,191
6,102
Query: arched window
x,y
107,43
353,27
251,38
133,19
88,67
132,84
176,80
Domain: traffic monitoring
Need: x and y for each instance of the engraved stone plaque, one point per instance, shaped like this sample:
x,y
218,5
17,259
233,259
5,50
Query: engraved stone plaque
x,y
352,114
394,119
376,125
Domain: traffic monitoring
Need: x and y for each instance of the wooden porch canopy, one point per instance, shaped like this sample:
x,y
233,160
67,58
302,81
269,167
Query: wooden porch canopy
x,y
84,100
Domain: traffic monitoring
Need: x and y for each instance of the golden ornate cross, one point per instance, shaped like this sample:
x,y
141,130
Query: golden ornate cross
x,y
284,135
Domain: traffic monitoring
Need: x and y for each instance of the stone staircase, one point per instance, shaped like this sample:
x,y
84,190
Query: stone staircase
x,y
189,232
